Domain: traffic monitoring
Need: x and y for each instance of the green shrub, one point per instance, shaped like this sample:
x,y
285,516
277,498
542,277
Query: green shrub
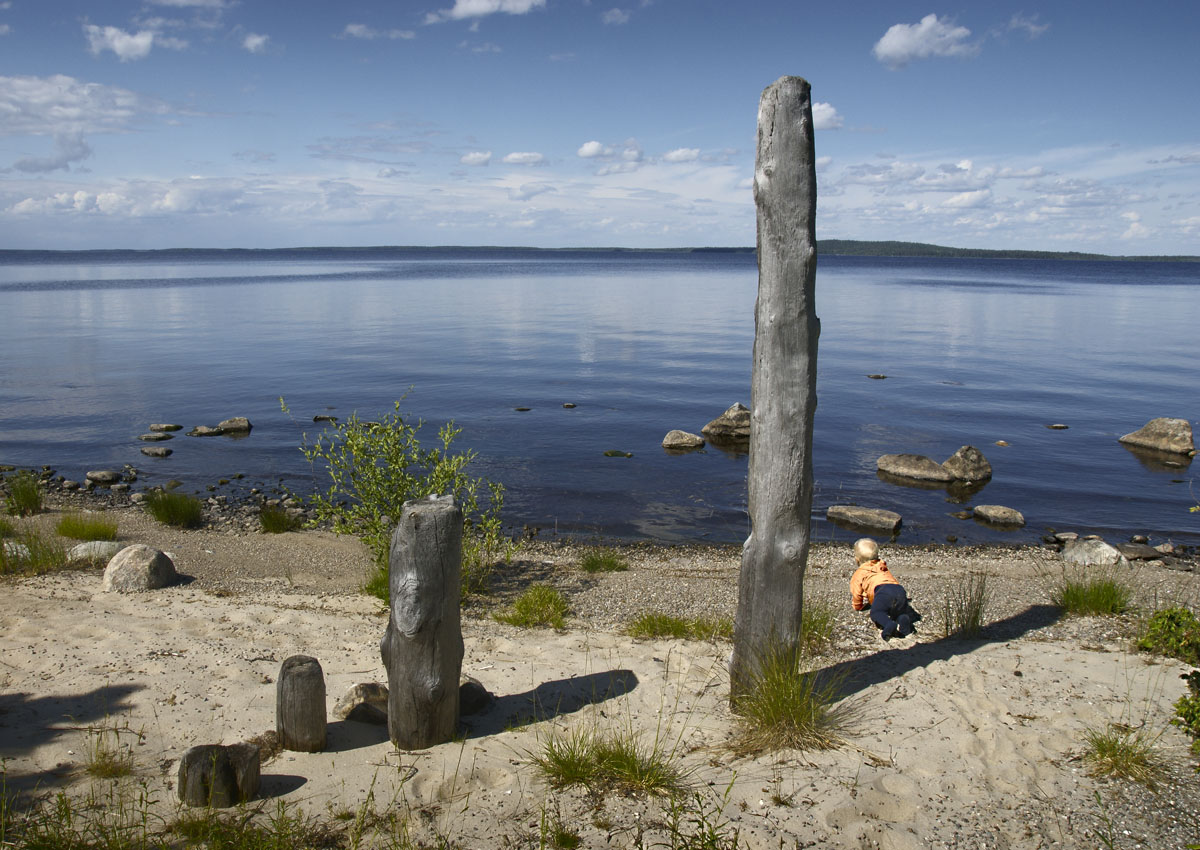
x,y
276,520
24,495
540,605
373,468
601,560
785,706
655,624
87,527
964,605
1097,595
31,553
175,509
600,761
1174,632
1119,750
1187,709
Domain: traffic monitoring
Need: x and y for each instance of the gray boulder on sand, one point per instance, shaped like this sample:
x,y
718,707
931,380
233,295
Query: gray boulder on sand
x,y
732,426
364,703
104,477
916,467
1163,435
138,568
968,464
867,519
1000,516
1093,552
94,551
682,441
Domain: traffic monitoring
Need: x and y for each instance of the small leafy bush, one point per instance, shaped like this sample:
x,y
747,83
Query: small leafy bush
x,y
1187,709
1174,632
24,495
373,468
785,706
540,605
601,560
175,509
1119,750
964,605
276,520
78,526
655,624
1097,595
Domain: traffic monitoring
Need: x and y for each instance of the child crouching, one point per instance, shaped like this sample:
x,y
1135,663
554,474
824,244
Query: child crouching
x,y
874,585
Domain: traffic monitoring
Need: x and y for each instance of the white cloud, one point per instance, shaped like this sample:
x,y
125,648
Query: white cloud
x,y
190,4
615,17
1027,24
933,36
476,158
1136,229
969,200
256,43
524,158
482,8
682,155
69,147
825,117
127,46
57,105
528,190
365,32
5,29
589,150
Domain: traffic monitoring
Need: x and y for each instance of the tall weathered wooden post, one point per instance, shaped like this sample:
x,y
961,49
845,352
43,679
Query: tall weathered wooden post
x,y
783,393
423,647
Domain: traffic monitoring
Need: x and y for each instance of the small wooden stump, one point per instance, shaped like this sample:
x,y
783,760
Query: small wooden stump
x,y
217,776
423,647
300,705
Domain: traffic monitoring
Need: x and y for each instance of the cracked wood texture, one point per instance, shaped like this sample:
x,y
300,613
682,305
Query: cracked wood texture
x,y
783,393
423,647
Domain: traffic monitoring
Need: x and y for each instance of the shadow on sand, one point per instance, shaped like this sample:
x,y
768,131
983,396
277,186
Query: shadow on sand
x,y
549,699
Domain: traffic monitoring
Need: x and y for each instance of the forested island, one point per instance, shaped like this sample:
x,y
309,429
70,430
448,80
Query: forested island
x,y
859,248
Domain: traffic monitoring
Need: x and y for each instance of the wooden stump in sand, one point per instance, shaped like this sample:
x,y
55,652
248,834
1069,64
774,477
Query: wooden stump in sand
x,y
783,393
422,648
300,705
217,776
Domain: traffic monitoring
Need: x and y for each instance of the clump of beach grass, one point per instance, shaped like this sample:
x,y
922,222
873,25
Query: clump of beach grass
x,y
87,526
1123,751
175,509
24,496
818,622
109,753
1104,594
7,529
786,706
615,759
540,605
655,624
600,559
277,520
30,552
964,606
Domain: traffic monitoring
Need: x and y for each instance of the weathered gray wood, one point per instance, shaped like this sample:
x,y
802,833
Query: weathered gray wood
x,y
423,648
300,705
217,776
783,394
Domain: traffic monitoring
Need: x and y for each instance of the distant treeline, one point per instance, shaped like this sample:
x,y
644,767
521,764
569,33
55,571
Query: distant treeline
x,y
857,248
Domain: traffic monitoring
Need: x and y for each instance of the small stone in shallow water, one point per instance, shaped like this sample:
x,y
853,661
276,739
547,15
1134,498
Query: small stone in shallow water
x,y
1002,442
1057,426
155,437
568,404
165,427
156,451
877,377
521,409
617,453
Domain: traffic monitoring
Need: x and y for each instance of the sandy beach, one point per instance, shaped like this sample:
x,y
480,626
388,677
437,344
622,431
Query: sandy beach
x,y
948,744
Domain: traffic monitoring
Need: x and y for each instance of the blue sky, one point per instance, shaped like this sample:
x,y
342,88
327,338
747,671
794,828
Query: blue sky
x,y
243,123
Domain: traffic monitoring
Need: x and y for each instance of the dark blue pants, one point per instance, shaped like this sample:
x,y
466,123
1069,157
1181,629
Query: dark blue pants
x,y
889,604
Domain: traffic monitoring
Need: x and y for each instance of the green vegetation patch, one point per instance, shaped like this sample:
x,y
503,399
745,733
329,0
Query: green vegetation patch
x,y
1187,709
87,527
602,560
1174,632
1099,595
603,760
175,509
24,497
540,605
29,552
964,606
1122,751
650,625
277,520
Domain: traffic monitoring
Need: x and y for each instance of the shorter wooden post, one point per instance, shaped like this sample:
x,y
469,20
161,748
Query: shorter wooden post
x,y
300,705
423,647
219,777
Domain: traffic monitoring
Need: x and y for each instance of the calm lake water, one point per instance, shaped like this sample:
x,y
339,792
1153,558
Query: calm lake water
x,y
95,347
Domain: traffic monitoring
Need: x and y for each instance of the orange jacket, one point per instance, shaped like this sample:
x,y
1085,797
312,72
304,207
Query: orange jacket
x,y
864,581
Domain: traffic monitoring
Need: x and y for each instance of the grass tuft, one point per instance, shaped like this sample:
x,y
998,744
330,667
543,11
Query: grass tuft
x,y
655,624
87,526
24,496
276,520
107,755
7,529
31,553
602,560
1122,751
175,509
540,605
964,606
1091,596
285,828
785,706
613,760
818,622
